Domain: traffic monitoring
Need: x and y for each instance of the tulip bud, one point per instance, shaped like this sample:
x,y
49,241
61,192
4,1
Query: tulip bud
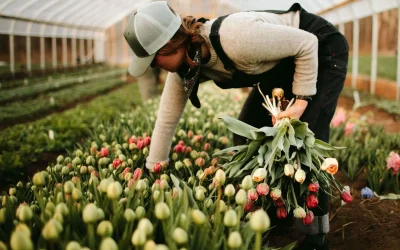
x,y
187,163
105,229
220,176
114,191
200,162
138,238
230,218
222,206
260,221
89,214
51,230
235,240
73,245
252,194
20,241
281,213
275,193
248,206
60,158
300,176
146,226
330,165
68,187
289,170
299,213
140,212
262,189
313,187
140,186
259,174
241,197
229,190
178,165
38,180
200,196
312,201
25,213
129,215
162,211
346,197
108,244
180,236
150,245
198,217
308,219
247,182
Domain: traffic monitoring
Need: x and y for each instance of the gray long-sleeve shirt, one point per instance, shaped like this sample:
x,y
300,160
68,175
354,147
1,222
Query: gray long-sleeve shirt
x,y
255,42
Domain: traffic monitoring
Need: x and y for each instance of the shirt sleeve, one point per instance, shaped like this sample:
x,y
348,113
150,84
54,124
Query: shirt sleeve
x,y
172,104
252,41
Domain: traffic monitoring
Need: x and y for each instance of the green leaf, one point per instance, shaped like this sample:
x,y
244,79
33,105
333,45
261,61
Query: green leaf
x,y
261,153
286,146
310,140
238,127
291,133
250,165
239,148
299,127
289,246
264,132
326,146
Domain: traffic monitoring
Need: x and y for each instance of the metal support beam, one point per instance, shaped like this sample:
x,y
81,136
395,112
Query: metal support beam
x,y
42,54
12,55
73,47
54,51
356,43
82,50
374,60
28,54
64,52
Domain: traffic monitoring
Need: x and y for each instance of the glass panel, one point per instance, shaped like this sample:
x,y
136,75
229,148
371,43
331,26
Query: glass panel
x,y
5,25
20,28
14,7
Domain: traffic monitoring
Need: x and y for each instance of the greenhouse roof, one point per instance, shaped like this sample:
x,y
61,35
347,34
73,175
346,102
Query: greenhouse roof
x,y
80,18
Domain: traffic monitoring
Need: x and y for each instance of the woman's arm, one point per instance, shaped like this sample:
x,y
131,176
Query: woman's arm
x,y
173,101
251,42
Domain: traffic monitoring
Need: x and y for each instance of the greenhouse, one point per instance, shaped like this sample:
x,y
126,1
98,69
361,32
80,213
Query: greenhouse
x,y
199,124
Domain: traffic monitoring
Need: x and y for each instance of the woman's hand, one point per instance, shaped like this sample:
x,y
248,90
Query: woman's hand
x,y
295,111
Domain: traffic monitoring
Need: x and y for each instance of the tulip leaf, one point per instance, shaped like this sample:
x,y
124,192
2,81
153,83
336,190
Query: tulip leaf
x,y
299,127
253,147
299,143
238,127
291,134
264,132
326,146
309,141
250,165
261,153
289,246
235,168
286,146
239,148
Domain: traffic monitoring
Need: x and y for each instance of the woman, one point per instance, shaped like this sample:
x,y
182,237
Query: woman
x,y
294,50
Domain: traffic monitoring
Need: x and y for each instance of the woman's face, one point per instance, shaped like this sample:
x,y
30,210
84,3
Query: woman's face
x,y
171,62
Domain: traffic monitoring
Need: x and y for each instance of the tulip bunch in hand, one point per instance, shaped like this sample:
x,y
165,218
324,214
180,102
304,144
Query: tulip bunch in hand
x,y
290,158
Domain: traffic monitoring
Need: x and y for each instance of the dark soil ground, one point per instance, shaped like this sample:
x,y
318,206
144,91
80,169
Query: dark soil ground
x,y
364,223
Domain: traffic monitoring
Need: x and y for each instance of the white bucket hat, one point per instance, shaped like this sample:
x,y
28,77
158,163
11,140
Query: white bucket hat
x,y
148,30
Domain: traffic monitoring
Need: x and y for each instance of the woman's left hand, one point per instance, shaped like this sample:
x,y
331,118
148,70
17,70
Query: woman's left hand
x,y
295,111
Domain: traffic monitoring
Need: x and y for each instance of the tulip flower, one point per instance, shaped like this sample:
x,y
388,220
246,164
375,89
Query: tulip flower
x,y
262,189
247,182
260,221
230,218
275,194
157,168
220,176
117,162
259,175
330,165
288,170
313,187
162,211
248,206
279,202
252,194
235,240
281,213
312,201
241,197
346,197
309,218
300,176
180,236
299,213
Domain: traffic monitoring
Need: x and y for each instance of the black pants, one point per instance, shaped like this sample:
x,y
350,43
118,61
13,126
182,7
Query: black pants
x,y
332,69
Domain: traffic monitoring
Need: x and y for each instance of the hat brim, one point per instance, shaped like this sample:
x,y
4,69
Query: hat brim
x,y
139,65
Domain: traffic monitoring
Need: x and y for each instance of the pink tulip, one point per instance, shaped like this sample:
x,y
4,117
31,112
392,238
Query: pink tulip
x,y
312,201
262,189
252,194
137,173
309,218
248,206
346,197
313,187
117,162
104,152
146,141
157,168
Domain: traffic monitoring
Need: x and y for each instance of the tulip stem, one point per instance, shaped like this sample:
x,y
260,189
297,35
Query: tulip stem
x,y
240,208
257,243
91,236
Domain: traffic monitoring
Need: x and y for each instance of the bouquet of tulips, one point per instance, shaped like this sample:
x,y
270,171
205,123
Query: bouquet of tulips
x,y
287,164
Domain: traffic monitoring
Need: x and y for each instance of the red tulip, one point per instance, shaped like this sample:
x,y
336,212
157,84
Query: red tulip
x,y
312,201
179,148
252,194
313,187
281,213
262,189
309,218
140,144
182,143
137,173
279,202
104,152
146,141
248,206
188,150
207,146
132,140
346,197
157,168
117,162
